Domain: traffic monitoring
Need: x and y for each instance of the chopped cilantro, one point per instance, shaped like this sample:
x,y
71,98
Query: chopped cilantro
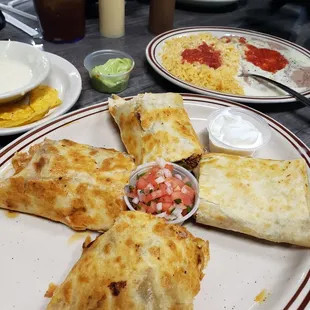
x,y
188,184
140,175
131,188
148,203
189,209
177,201
138,207
171,210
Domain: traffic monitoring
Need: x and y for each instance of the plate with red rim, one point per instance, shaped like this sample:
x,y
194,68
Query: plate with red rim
x,y
296,74
241,269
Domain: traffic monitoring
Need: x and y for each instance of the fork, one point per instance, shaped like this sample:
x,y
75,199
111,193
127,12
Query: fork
x,y
289,90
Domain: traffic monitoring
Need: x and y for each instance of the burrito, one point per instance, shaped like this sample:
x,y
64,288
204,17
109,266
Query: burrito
x,y
267,199
140,263
156,125
64,181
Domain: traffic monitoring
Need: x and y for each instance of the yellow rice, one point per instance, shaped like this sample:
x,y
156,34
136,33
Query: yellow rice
x,y
222,79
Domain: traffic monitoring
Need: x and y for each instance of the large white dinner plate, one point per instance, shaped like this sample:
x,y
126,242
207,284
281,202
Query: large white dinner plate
x,y
296,74
208,3
35,251
67,80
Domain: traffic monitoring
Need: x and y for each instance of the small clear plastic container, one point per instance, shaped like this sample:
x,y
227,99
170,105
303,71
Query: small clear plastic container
x,y
217,146
176,170
107,83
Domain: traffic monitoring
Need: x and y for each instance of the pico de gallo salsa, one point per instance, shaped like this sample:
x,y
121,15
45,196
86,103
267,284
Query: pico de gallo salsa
x,y
163,192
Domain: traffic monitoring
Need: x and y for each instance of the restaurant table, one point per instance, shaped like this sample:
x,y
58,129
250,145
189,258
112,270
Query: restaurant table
x,y
290,22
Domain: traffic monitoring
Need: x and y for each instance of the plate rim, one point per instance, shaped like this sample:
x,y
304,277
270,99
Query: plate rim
x,y
73,116
154,63
77,87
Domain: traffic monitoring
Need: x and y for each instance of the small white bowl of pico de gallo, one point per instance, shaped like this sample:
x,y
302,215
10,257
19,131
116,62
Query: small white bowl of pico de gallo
x,y
163,189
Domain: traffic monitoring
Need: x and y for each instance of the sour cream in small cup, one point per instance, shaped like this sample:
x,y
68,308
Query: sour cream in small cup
x,y
237,131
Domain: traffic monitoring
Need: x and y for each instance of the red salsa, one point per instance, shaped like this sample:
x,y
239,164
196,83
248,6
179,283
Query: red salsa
x,y
266,59
163,192
203,54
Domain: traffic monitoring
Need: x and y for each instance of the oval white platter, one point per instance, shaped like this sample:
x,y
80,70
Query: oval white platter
x,y
295,75
36,252
67,80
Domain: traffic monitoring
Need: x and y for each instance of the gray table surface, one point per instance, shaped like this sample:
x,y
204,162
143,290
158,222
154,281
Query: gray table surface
x,y
290,22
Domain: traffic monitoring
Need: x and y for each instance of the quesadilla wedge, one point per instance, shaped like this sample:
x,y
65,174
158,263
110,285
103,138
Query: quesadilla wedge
x,y
140,263
64,181
267,199
156,125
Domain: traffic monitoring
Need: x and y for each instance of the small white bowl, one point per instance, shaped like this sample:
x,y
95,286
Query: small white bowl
x,y
217,146
28,55
177,169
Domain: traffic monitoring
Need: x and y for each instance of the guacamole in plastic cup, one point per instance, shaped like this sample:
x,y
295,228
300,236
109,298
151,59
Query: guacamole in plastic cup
x,y
109,70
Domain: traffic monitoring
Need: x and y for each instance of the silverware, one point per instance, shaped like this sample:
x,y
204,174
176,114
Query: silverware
x,y
289,90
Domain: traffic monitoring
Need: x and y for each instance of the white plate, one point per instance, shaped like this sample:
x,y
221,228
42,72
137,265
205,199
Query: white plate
x,y
256,92
35,251
208,3
67,80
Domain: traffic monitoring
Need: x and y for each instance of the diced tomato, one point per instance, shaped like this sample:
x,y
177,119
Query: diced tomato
x,y
188,191
166,198
169,167
143,206
151,179
176,182
186,200
153,195
141,183
163,188
154,170
166,206
186,179
184,212
151,208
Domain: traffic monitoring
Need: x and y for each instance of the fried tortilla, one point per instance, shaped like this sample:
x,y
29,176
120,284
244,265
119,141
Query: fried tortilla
x,y
156,125
140,263
64,181
267,199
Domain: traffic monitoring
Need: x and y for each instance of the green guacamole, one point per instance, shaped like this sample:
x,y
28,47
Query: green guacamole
x,y
100,75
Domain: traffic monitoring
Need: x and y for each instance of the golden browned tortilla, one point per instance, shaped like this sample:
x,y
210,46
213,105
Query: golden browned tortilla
x,y
156,125
64,181
264,198
140,263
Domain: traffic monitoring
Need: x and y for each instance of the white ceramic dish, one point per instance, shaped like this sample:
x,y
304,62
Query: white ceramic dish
x,y
176,169
28,56
35,251
67,80
208,3
296,73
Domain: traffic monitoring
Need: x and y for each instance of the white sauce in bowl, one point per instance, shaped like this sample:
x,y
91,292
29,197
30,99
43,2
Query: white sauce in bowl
x,y
235,131
13,75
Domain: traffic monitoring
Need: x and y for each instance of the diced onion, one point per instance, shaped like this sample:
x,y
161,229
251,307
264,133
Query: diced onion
x,y
184,190
163,214
169,190
150,186
140,195
159,206
135,200
178,176
160,180
167,173
161,162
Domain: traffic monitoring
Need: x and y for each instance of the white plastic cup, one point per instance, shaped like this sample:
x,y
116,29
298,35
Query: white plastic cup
x,y
217,146
100,57
176,170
